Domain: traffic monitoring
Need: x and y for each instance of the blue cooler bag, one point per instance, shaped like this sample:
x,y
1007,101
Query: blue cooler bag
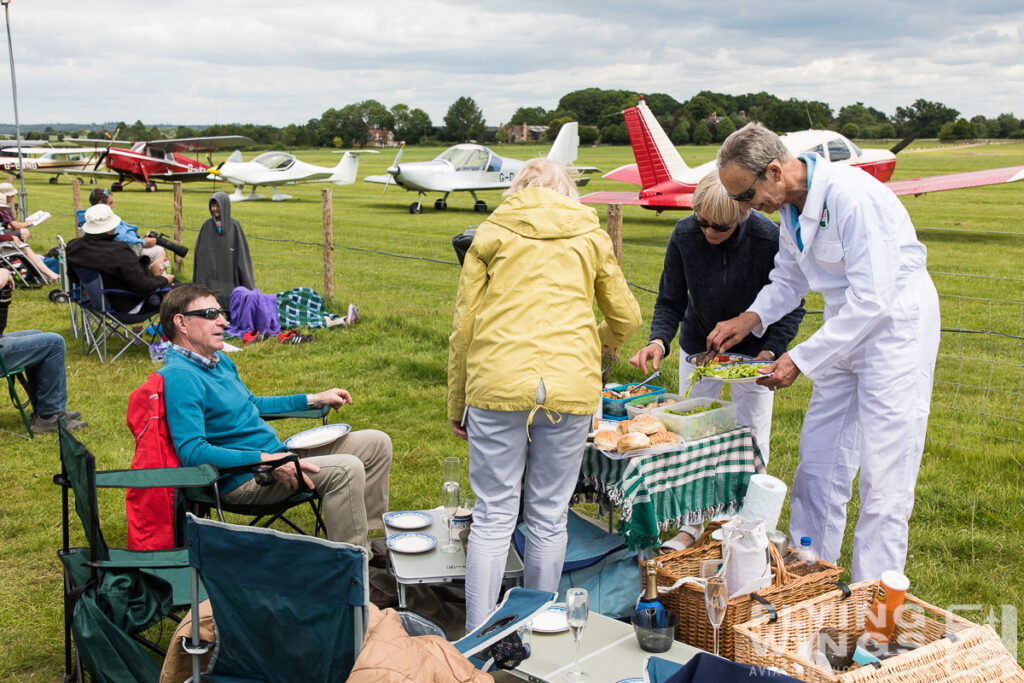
x,y
598,561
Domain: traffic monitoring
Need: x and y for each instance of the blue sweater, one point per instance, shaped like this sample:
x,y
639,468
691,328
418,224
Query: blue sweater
x,y
703,284
213,418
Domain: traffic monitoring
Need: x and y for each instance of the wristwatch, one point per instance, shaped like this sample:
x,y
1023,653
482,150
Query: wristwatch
x,y
769,351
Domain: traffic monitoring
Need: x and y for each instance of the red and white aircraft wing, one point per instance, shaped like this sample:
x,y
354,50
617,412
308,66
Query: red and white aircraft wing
x,y
957,181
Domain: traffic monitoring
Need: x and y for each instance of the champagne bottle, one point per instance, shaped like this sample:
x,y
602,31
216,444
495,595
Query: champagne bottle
x,y
650,610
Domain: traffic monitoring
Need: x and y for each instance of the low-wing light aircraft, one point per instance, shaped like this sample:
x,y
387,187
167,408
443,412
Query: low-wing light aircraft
x,y
281,168
668,183
157,159
471,168
50,160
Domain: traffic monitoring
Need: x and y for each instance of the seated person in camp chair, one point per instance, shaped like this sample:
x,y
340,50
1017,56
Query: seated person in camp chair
x,y
99,250
213,418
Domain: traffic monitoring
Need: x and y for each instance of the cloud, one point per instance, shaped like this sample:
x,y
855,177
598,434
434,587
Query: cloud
x,y
269,62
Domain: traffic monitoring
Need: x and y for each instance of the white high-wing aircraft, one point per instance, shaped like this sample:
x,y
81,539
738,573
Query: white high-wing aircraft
x,y
51,160
281,168
471,168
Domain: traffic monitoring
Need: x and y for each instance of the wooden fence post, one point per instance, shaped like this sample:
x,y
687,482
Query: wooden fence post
x,y
76,199
614,225
178,233
328,224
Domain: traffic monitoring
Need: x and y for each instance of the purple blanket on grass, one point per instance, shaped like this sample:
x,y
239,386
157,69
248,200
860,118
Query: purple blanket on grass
x,y
252,310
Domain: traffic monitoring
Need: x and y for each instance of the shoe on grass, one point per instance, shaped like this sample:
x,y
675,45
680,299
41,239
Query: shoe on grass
x,y
48,425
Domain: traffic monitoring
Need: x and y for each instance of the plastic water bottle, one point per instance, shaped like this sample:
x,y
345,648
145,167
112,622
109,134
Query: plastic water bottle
x,y
803,560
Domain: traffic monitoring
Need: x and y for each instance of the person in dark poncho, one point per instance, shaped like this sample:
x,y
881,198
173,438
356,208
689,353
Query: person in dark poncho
x,y
221,258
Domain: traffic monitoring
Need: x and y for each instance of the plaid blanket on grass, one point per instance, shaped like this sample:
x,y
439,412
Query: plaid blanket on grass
x,y
301,307
689,486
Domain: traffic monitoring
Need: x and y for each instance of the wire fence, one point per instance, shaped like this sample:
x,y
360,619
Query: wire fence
x,y
410,271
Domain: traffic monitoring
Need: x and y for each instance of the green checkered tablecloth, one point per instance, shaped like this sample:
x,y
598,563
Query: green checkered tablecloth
x,y
689,486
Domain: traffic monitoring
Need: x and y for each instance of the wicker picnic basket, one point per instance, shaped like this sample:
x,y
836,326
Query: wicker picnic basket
x,y
688,600
950,647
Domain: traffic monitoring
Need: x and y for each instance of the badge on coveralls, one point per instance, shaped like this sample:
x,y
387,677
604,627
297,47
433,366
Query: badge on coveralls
x,y
823,223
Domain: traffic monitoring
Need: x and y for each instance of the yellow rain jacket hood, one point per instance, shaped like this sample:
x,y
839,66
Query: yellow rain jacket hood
x,y
524,314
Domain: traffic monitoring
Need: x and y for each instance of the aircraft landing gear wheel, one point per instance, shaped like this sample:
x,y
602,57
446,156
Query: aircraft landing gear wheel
x,y
151,186
480,206
53,181
92,181
415,207
58,297
440,204
116,187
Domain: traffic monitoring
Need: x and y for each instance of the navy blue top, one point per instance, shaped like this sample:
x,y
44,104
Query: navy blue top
x,y
703,284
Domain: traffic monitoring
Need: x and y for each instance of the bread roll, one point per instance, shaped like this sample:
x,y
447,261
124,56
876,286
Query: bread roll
x,y
633,441
624,426
665,437
606,440
646,424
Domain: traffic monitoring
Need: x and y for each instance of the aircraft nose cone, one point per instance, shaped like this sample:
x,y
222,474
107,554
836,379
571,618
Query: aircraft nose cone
x,y
393,170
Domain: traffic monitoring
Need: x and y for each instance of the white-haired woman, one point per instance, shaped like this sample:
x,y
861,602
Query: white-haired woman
x,y
524,369
716,262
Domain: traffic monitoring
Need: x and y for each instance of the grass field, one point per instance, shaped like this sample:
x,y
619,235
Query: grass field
x,y
965,542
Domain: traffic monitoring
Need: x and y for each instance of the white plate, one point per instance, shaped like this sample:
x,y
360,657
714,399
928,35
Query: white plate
x,y
734,357
740,380
551,620
631,680
652,450
408,519
412,542
317,436
601,426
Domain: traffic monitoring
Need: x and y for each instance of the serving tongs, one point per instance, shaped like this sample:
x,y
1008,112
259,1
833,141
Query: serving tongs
x,y
705,358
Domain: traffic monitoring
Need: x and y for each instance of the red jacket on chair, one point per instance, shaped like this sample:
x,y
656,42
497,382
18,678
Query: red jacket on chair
x,y
150,511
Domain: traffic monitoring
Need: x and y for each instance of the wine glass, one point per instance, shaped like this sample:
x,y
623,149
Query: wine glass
x,y
577,609
716,600
451,475
450,501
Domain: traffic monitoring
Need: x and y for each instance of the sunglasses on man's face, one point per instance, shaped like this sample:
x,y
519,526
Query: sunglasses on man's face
x,y
749,193
208,313
714,226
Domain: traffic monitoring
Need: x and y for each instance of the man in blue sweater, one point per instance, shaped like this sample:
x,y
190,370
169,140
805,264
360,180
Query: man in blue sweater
x,y
213,418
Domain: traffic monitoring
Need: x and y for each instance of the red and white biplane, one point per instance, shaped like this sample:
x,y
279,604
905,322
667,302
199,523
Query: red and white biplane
x,y
668,183
156,160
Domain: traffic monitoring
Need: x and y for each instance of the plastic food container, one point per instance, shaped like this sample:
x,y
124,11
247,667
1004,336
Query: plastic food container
x,y
698,425
663,401
615,408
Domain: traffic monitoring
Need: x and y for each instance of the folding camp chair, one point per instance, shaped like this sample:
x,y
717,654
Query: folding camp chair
x,y
294,608
100,322
12,374
69,293
14,259
112,595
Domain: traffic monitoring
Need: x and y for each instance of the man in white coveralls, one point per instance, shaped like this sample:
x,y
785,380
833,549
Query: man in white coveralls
x,y
847,236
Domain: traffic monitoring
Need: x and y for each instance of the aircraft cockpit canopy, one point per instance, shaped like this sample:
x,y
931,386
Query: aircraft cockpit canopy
x,y
275,160
468,157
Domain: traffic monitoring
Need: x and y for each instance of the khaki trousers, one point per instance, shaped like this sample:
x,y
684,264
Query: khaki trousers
x,y
352,483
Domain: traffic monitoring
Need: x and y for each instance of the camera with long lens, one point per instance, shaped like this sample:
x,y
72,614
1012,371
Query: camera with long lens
x,y
167,244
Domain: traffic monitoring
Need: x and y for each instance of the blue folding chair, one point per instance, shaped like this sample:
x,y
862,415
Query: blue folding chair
x,y
295,608
101,323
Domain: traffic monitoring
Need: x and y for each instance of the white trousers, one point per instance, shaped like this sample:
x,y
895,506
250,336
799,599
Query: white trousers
x,y
753,402
870,411
499,454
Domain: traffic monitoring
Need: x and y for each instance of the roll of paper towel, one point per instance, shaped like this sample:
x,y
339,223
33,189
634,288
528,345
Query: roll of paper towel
x,y
765,495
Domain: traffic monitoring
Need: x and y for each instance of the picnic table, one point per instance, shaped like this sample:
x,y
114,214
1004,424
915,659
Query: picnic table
x,y
689,486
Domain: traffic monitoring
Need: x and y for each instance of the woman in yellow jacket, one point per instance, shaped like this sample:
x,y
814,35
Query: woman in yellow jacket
x,y
524,369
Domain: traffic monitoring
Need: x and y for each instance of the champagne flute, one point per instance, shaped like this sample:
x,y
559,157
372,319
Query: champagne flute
x,y
450,501
577,609
716,600
451,475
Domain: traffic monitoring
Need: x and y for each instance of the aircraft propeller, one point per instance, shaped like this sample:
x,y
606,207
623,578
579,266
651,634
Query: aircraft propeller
x,y
393,169
103,156
895,149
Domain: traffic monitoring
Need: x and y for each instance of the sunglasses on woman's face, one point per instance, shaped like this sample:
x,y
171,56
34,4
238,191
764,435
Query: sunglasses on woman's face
x,y
714,226
208,313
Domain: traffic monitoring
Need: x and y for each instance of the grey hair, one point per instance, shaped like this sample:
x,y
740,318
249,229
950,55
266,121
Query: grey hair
x,y
711,202
752,148
544,172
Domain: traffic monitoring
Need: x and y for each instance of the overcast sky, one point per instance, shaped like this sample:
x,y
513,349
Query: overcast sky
x,y
263,61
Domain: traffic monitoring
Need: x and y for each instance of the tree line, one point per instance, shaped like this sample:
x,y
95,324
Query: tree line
x,y
704,118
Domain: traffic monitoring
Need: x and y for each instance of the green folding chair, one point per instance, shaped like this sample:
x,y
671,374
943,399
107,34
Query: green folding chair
x,y
12,374
112,595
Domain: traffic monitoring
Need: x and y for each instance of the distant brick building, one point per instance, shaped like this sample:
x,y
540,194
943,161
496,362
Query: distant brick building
x,y
380,137
524,133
